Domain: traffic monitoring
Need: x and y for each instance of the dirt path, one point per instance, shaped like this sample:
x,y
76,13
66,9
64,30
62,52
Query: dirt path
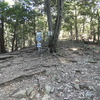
x,y
72,74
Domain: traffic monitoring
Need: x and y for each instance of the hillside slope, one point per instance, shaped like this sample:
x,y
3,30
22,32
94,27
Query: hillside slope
x,y
71,74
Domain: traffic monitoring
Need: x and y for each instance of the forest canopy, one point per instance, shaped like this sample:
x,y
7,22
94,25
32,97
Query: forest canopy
x,y
21,19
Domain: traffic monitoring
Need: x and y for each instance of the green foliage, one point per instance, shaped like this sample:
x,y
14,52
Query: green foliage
x,y
29,16
3,8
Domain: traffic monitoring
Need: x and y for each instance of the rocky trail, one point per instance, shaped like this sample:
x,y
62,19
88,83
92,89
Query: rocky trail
x,y
71,74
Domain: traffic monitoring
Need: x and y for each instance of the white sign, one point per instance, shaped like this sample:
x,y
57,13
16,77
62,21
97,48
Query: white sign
x,y
39,45
49,33
39,34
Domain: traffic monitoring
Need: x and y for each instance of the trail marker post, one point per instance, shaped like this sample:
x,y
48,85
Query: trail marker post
x,y
39,40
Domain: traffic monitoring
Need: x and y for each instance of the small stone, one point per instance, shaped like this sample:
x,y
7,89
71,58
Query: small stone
x,y
58,95
97,78
60,88
89,95
23,99
81,95
32,94
54,77
87,64
38,95
47,72
76,84
69,90
59,80
98,84
78,71
82,73
62,95
46,97
52,89
83,86
47,89
29,90
66,98
77,81
68,86
91,88
20,94
62,66
77,87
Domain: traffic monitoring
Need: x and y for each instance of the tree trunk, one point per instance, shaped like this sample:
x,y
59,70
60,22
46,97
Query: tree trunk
x,y
34,32
71,30
16,39
94,35
83,27
23,38
13,39
98,27
98,32
76,28
50,29
2,36
53,38
91,26
49,15
58,23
